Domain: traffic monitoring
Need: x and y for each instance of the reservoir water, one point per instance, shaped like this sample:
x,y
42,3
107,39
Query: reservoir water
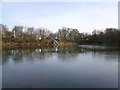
x,y
65,67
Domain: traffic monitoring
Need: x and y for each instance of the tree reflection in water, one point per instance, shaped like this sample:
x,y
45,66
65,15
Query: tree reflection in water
x,y
65,54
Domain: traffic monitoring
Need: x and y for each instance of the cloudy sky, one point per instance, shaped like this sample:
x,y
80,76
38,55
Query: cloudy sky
x,y
84,16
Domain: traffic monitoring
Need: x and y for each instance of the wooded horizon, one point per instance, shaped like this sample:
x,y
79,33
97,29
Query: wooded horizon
x,y
43,36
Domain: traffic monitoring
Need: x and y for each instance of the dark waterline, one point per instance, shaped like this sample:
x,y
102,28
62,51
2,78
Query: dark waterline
x,y
65,67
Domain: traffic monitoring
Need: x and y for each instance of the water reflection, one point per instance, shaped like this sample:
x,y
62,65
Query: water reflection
x,y
70,67
63,53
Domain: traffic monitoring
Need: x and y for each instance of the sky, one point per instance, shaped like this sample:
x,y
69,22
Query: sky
x,y
119,15
84,16
60,0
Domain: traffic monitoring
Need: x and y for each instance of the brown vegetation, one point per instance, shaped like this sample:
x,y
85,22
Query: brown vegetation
x,y
20,37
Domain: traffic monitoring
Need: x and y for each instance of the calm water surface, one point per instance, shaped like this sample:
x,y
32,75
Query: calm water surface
x,y
59,67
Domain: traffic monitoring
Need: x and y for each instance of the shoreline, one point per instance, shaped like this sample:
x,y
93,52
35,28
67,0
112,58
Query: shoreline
x,y
11,45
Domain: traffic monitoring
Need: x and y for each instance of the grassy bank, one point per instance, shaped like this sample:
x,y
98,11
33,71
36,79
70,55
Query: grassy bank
x,y
32,45
21,45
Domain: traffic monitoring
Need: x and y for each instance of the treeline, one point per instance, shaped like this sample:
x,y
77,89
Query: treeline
x,y
41,36
110,36
38,36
